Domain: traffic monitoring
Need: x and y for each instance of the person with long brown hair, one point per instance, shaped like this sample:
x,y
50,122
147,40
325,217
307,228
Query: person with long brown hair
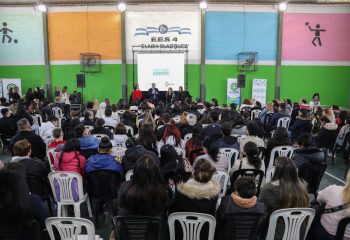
x,y
284,191
332,196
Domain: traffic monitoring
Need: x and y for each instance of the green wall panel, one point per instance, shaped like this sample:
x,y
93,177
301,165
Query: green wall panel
x,y
216,81
31,76
332,82
106,84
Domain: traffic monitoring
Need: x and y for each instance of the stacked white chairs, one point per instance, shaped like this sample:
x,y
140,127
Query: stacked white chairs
x,y
281,151
67,188
295,220
191,224
71,228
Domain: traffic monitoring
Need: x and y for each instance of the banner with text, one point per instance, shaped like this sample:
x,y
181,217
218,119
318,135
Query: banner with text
x,y
163,31
259,90
233,92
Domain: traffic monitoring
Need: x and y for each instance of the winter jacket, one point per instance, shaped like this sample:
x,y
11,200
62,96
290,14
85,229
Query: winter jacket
x,y
327,136
132,155
228,206
33,166
103,162
301,125
38,145
305,157
71,161
89,142
228,142
194,196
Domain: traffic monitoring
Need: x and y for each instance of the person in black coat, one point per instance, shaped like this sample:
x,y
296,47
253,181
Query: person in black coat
x,y
199,194
243,200
307,154
8,125
328,133
99,129
227,141
22,151
25,132
302,124
161,129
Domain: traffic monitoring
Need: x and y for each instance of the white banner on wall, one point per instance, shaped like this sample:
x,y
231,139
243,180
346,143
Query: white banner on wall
x,y
8,83
165,31
233,92
165,70
259,90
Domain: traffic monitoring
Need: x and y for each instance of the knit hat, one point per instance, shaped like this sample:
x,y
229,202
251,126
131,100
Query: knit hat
x,y
191,119
105,143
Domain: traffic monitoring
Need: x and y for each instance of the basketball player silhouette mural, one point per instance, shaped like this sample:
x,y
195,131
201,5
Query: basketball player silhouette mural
x,y
5,34
317,31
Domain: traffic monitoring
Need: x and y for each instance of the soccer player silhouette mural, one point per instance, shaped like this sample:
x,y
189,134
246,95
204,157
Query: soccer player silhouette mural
x,y
5,34
317,31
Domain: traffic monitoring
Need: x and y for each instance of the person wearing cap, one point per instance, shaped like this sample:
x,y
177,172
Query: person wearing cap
x,y
103,160
8,126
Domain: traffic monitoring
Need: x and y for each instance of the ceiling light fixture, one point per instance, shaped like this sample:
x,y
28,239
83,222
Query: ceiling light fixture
x,y
121,6
203,5
282,6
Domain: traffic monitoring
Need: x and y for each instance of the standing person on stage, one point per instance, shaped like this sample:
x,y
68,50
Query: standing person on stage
x,y
64,95
136,95
170,96
153,94
57,91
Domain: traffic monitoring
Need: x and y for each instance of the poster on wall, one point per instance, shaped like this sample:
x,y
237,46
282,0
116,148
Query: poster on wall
x,y
8,83
163,31
233,92
259,90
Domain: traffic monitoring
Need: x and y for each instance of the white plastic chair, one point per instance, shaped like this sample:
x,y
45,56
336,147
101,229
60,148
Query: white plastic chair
x,y
205,125
120,112
129,128
187,137
240,138
229,153
222,177
255,114
81,119
201,111
281,151
181,151
67,188
71,228
53,153
57,112
48,140
177,119
293,221
89,127
129,174
191,224
118,153
38,120
99,136
283,122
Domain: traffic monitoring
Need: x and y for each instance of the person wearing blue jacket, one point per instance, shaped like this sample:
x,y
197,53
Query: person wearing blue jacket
x,y
103,160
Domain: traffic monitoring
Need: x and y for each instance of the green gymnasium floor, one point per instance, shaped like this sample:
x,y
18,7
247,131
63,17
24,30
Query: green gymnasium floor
x,y
334,175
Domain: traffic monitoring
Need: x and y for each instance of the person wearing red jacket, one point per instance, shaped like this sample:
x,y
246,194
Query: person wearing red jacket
x,y
136,95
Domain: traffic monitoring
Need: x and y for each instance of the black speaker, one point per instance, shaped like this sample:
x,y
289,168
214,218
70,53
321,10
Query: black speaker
x,y
80,80
241,81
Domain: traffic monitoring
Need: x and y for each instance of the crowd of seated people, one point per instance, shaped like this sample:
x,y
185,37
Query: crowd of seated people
x,y
164,181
